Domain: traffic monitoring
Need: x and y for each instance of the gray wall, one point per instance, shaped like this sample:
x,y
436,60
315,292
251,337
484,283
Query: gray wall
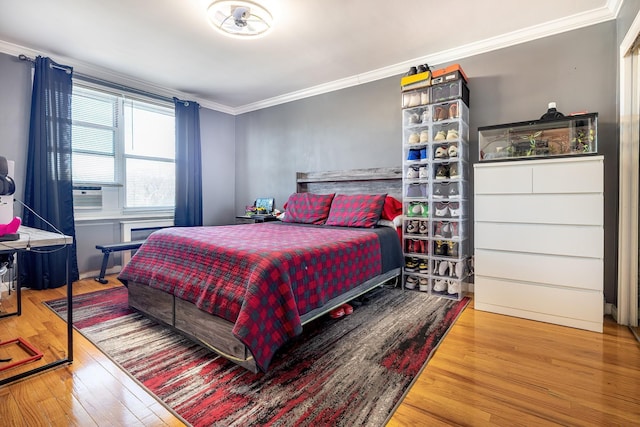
x,y
361,126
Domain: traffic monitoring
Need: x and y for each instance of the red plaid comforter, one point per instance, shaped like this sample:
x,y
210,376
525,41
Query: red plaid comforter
x,y
261,277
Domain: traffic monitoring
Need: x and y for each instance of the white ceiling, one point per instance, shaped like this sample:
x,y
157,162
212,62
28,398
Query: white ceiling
x,y
168,47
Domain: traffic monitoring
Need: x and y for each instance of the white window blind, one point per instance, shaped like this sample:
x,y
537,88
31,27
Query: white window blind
x,y
119,140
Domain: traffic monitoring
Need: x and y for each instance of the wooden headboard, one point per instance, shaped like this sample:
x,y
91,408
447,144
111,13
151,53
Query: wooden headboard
x,y
352,181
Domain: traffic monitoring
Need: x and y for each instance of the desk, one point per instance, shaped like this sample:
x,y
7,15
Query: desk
x,y
33,238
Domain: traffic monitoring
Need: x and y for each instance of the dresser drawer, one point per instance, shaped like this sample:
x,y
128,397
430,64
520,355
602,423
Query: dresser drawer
x,y
563,306
568,240
572,272
570,209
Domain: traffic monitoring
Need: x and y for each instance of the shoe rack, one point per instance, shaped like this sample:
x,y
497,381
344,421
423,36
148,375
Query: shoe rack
x,y
435,135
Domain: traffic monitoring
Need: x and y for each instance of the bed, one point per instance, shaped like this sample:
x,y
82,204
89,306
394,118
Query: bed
x,y
245,290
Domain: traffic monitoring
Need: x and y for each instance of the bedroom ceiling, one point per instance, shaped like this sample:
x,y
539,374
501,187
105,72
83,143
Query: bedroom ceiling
x,y
168,47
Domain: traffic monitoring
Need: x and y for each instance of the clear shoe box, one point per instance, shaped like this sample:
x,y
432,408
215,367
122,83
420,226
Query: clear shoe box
x,y
416,116
449,150
417,172
416,190
415,155
449,190
449,248
416,98
447,288
448,209
445,91
417,282
416,227
416,209
449,171
449,269
453,110
450,131
416,245
449,229
416,136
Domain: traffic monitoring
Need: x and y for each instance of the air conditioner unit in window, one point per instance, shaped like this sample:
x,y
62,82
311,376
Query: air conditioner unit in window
x,y
87,197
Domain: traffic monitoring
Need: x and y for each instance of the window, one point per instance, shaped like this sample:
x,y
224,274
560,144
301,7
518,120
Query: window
x,y
123,142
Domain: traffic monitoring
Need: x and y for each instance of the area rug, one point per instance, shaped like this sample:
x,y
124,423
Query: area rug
x,y
351,371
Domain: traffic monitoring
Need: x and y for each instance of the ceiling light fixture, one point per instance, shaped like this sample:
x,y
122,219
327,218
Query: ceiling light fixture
x,y
239,19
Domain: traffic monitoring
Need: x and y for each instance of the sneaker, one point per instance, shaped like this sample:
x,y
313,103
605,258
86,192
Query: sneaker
x,y
424,136
442,172
453,150
410,282
423,267
454,209
439,113
438,230
423,284
453,111
412,227
348,309
424,227
412,71
446,230
424,98
425,209
413,154
440,285
414,119
414,190
440,93
337,313
438,190
454,229
460,269
442,210
423,172
424,153
452,135
441,153
453,190
452,248
443,267
412,173
415,209
414,138
410,264
454,171
414,100
453,287
423,247
425,116
440,248
440,136
423,68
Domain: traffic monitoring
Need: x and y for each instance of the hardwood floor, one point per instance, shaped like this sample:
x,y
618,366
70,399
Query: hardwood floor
x,y
489,370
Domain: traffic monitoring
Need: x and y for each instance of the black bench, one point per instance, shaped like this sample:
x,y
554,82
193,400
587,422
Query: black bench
x,y
114,247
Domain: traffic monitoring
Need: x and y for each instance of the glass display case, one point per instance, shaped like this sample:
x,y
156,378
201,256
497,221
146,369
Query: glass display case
x,y
570,135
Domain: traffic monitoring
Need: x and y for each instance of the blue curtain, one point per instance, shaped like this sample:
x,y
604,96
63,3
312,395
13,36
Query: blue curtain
x,y
48,185
188,211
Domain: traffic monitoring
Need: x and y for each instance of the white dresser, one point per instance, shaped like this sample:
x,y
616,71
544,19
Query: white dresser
x,y
538,231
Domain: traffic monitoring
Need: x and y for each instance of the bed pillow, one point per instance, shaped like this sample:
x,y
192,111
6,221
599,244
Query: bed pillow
x,y
308,208
357,210
391,209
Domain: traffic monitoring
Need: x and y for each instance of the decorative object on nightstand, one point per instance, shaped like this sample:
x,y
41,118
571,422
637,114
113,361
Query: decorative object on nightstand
x,y
435,198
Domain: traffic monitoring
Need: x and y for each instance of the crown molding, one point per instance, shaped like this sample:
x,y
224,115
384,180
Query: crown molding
x,y
608,12
595,16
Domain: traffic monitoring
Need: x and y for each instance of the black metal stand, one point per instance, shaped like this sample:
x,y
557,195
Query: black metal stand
x,y
69,356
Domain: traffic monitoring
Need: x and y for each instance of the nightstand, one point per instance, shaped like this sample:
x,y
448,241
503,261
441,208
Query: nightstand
x,y
250,219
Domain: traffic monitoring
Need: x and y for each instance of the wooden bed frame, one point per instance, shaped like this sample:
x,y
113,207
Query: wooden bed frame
x,y
216,333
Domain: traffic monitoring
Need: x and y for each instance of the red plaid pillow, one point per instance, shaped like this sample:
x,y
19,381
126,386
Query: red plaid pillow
x,y
357,210
307,208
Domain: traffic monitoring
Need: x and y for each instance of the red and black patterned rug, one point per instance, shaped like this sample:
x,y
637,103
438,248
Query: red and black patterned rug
x,y
351,371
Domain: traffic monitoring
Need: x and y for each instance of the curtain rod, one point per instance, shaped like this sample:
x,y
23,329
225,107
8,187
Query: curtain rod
x,y
109,84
